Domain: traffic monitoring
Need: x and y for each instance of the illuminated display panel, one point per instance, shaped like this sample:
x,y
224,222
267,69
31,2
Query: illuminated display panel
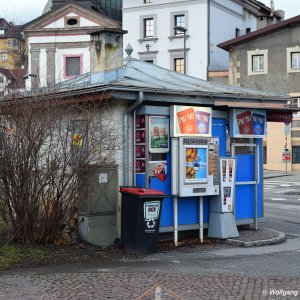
x,y
195,164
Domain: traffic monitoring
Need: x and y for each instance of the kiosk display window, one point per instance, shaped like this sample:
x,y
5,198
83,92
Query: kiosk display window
x,y
196,165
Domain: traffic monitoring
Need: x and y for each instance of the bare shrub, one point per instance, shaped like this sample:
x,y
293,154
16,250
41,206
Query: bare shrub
x,y
44,148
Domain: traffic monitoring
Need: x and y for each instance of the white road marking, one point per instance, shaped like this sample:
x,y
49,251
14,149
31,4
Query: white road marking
x,y
278,181
278,199
285,185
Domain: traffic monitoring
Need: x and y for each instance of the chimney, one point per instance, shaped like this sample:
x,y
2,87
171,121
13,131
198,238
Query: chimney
x,y
107,49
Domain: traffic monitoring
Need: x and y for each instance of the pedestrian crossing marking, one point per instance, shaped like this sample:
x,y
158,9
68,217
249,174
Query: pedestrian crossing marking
x,y
278,199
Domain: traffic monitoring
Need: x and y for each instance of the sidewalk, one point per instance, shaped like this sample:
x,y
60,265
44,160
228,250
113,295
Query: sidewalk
x,y
261,237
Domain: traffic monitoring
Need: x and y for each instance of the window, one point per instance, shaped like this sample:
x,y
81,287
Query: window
x,y
237,32
295,134
257,62
179,65
295,123
293,59
295,102
3,56
148,1
2,31
179,20
72,21
1,80
296,154
148,56
13,43
148,28
248,30
73,65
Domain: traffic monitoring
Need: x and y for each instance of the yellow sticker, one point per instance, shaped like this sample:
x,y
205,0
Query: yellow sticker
x,y
77,139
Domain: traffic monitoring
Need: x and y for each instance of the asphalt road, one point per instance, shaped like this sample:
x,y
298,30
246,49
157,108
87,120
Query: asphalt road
x,y
282,204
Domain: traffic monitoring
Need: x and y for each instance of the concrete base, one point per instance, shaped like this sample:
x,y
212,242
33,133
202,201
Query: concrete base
x,y
98,230
222,226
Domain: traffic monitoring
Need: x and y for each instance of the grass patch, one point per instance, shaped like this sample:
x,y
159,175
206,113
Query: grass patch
x,y
19,255
2,225
9,257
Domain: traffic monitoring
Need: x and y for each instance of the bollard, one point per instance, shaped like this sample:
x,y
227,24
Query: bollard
x,y
158,293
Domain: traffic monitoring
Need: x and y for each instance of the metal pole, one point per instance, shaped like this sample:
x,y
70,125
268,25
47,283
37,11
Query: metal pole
x,y
175,220
184,51
201,219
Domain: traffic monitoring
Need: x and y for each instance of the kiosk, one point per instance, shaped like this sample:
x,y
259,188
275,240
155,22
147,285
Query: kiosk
x,y
178,150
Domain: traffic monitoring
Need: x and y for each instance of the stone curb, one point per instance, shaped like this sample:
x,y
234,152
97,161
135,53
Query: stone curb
x,y
280,238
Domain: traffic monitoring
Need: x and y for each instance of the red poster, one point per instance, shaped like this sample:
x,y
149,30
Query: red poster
x,y
187,121
244,121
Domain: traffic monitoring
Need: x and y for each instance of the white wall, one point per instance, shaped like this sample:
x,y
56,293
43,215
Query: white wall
x,y
226,16
60,23
59,62
196,25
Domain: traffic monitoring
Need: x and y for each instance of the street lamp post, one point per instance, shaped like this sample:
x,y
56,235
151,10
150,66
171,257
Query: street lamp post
x,y
184,30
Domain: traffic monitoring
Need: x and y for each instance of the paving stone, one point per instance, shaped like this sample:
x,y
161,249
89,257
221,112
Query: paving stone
x,y
132,285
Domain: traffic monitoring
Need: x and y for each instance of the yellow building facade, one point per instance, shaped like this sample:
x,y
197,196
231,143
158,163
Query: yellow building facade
x,y
12,52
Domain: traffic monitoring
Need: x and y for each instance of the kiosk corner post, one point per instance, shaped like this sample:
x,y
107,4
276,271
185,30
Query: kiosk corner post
x,y
175,220
257,180
201,219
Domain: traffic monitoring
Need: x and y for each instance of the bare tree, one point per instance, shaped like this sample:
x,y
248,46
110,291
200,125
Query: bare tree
x,y
44,149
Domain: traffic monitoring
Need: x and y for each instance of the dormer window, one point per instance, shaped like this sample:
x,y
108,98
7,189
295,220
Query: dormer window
x,y
71,21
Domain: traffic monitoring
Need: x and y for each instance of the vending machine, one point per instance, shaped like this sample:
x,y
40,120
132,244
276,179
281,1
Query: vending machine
x,y
195,158
221,219
195,166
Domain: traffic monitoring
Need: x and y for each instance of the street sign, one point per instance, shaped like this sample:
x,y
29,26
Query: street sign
x,y
286,156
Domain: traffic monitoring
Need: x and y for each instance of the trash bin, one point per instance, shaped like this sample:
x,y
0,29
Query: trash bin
x,y
140,218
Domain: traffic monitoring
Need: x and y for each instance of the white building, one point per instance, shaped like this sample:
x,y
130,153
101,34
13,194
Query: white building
x,y
150,25
70,40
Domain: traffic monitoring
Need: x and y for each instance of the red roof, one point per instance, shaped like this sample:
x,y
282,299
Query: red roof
x,y
260,32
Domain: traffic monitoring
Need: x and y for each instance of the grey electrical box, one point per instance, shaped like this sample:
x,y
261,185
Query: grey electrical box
x,y
98,195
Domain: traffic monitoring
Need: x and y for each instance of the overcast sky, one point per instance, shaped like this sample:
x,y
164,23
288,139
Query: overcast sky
x,y
22,11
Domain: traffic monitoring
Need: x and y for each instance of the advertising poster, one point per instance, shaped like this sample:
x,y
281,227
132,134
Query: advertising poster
x,y
191,121
196,165
159,134
246,123
158,169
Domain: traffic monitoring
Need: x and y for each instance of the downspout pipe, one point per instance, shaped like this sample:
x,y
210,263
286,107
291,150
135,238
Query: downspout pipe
x,y
128,111
208,38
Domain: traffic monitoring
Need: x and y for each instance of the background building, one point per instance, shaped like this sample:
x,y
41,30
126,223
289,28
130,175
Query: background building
x,y
151,32
70,40
269,59
12,51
